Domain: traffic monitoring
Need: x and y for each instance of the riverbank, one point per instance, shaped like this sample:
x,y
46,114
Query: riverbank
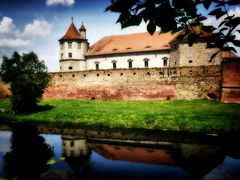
x,y
202,116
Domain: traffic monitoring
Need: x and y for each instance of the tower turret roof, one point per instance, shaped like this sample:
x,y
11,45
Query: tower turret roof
x,y
71,34
82,27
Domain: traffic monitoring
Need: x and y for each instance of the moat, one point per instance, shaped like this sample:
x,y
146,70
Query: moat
x,y
28,152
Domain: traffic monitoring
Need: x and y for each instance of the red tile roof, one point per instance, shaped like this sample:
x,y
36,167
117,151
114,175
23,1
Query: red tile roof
x,y
229,54
134,154
138,42
72,33
82,27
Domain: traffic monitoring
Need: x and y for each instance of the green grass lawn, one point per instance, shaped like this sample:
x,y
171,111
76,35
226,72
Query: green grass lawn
x,y
181,115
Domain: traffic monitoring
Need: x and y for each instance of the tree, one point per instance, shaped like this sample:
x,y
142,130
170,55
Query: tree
x,y
182,15
29,154
28,77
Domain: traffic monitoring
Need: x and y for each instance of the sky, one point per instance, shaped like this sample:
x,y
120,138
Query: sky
x,y
37,25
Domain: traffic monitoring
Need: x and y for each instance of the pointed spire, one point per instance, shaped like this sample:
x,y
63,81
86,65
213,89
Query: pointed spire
x,y
82,28
72,33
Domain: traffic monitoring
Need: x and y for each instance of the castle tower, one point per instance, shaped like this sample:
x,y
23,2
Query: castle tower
x,y
73,48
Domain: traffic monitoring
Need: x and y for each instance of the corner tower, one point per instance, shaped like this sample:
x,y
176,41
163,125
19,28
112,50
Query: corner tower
x,y
73,48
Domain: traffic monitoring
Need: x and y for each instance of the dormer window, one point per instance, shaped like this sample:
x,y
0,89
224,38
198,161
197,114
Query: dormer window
x,y
147,46
69,45
114,49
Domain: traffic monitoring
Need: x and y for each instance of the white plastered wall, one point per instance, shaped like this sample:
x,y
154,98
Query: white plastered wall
x,y
106,61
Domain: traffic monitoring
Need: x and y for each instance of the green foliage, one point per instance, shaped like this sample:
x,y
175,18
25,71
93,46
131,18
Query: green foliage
x,y
28,77
182,115
178,15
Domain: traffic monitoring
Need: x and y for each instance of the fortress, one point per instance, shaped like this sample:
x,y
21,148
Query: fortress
x,y
140,66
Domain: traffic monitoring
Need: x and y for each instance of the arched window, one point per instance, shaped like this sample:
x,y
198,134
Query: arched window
x,y
114,64
130,62
146,62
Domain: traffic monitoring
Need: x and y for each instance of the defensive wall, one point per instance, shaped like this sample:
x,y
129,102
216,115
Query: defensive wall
x,y
231,80
204,82
157,83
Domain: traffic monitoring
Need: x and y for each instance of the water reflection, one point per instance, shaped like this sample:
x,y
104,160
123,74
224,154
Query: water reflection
x,y
77,153
93,157
28,156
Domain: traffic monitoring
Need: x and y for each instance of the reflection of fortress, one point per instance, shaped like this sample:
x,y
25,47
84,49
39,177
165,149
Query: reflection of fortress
x,y
74,146
197,159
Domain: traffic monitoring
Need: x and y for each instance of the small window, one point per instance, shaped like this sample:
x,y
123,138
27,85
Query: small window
x,y
69,45
72,143
145,63
165,62
130,64
61,55
70,67
79,45
190,72
114,64
70,55
190,61
61,45
97,66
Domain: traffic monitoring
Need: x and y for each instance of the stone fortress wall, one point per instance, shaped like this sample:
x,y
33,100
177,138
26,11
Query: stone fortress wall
x,y
155,83
204,82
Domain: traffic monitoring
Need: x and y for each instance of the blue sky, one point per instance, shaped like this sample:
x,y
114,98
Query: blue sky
x,y
37,25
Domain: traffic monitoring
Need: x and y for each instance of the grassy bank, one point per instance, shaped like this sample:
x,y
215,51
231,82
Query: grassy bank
x,y
195,116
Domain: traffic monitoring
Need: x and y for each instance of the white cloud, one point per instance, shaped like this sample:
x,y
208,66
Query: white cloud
x,y
37,28
10,36
6,25
61,2
13,43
